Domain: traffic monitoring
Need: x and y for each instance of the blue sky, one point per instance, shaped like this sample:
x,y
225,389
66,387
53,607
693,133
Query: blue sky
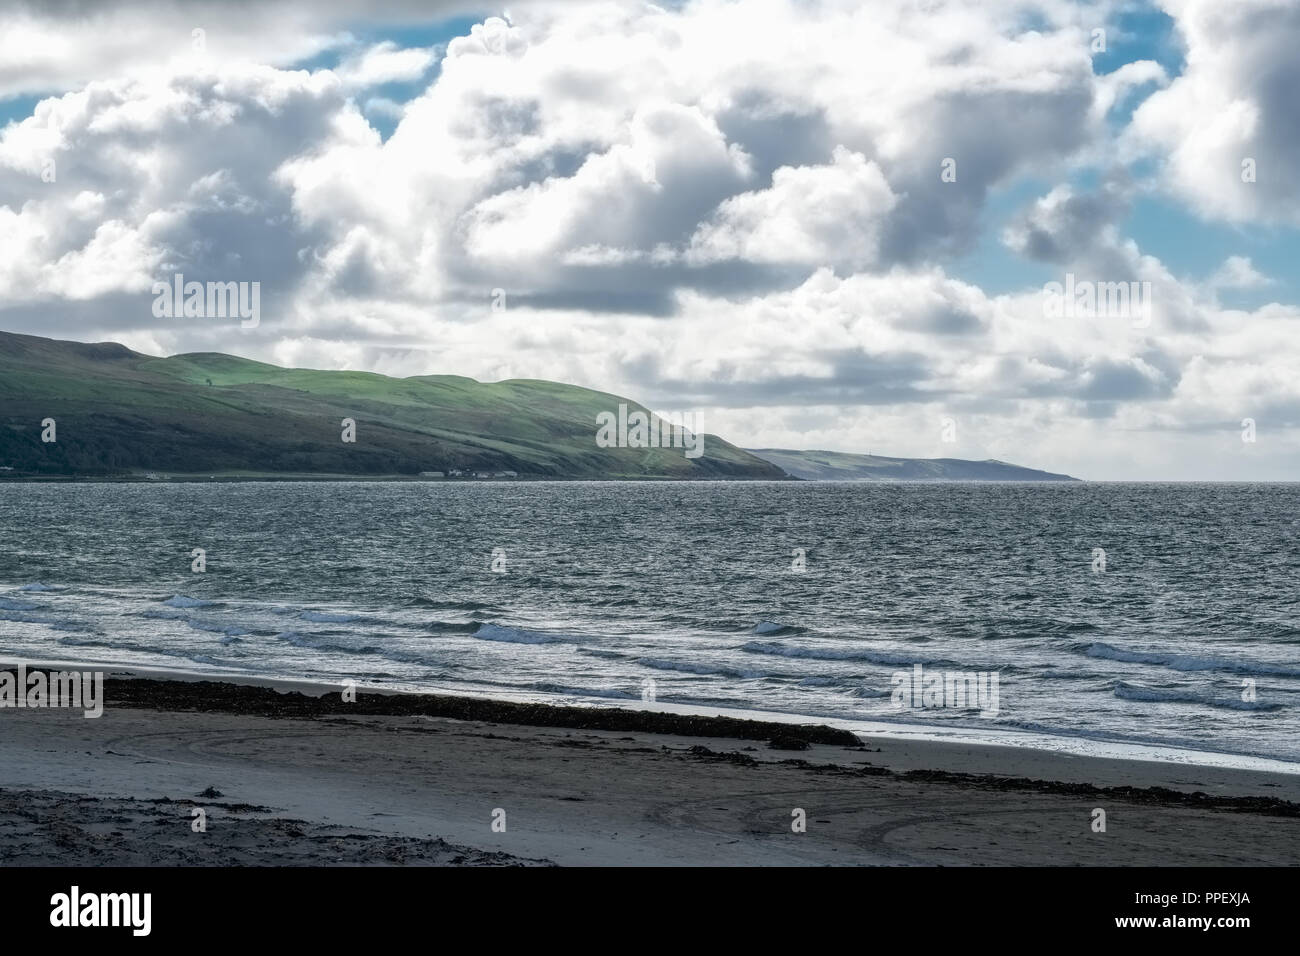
x,y
1189,245
434,34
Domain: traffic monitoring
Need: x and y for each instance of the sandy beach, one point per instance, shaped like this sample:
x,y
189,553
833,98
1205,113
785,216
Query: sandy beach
x,y
284,779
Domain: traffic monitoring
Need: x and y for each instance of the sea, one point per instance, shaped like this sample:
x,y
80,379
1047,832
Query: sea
x,y
1161,615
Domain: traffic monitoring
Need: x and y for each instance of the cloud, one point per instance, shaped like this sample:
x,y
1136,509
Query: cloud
x,y
601,156
810,215
1064,225
1079,232
383,63
152,176
1232,110
58,45
1115,87
1237,272
609,154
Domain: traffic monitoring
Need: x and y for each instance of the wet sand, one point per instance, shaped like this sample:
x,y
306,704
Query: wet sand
x,y
292,778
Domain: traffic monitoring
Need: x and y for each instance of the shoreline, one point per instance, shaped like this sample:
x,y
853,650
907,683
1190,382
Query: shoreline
x,y
663,715
288,779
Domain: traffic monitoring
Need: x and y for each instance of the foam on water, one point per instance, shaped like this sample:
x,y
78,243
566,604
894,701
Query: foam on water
x,y
181,600
1191,662
327,617
517,635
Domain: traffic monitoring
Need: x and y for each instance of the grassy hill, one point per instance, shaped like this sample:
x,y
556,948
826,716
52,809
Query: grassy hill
x,y
844,466
119,412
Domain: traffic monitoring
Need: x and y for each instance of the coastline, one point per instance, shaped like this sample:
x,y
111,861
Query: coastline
x,y
576,711
399,778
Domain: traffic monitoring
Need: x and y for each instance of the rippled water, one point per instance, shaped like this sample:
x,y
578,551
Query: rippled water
x,y
607,586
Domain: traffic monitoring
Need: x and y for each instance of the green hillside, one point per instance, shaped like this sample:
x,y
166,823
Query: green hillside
x,y
845,466
119,412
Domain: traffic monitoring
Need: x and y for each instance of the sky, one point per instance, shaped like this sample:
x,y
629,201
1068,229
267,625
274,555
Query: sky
x,y
813,223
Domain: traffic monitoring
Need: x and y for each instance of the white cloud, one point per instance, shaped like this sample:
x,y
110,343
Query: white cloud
x,y
385,62
1233,104
1238,272
593,152
58,45
810,215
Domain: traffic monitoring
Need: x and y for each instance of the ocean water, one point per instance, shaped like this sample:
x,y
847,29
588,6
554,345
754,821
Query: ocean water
x,y
1190,637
